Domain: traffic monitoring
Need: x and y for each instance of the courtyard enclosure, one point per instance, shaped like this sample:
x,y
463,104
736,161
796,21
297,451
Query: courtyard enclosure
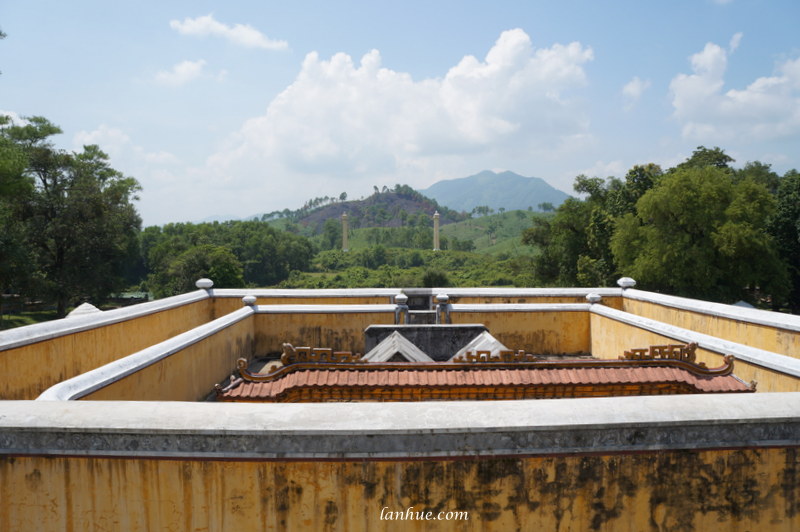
x,y
608,464
622,463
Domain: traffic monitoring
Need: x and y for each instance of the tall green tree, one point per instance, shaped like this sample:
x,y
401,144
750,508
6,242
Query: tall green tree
x,y
207,260
15,189
79,219
561,241
785,228
703,157
700,233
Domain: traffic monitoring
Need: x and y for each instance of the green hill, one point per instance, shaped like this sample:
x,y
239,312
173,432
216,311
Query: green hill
x,y
496,234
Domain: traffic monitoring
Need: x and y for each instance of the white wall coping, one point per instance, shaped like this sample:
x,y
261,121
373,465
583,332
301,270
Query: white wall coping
x,y
324,309
779,320
368,417
390,292
306,292
40,332
524,292
760,357
86,383
398,430
520,307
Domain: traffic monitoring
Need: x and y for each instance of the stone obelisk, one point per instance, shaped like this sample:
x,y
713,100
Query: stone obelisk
x,y
436,231
344,232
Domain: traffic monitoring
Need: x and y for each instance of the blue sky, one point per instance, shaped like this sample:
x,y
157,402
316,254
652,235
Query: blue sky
x,y
239,108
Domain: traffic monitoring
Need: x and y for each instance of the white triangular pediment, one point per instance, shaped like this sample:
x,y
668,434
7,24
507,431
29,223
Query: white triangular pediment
x,y
83,309
396,344
482,342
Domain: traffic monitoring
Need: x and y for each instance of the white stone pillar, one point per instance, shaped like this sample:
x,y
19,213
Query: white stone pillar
x,y
436,231
345,232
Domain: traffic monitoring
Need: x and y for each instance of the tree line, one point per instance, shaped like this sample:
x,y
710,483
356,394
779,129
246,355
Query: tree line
x,y
701,229
69,231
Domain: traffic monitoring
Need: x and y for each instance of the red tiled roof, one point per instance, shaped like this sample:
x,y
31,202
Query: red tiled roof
x,y
599,375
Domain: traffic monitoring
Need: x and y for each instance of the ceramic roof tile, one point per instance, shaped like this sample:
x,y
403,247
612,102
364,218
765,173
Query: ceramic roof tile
x,y
404,375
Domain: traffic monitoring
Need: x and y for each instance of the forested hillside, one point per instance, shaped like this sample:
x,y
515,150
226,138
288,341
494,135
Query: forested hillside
x,y
395,207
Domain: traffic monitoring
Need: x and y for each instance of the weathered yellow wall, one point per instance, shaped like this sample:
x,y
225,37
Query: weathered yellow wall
x,y
27,371
611,338
226,305
732,490
613,302
779,341
189,374
339,331
545,332
325,300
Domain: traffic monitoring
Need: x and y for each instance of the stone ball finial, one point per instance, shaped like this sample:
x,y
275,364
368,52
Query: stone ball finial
x,y
204,283
249,300
401,299
626,282
594,298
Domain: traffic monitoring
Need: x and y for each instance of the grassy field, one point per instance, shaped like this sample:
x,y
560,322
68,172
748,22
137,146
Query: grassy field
x,y
9,321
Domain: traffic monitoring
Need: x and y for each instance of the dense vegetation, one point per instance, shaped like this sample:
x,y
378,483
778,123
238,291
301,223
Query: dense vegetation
x,y
701,229
69,232
67,226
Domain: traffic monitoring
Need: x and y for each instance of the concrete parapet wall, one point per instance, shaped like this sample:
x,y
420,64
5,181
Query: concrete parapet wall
x,y
731,490
630,464
376,296
535,328
340,327
183,368
35,357
322,296
434,429
771,331
612,297
615,331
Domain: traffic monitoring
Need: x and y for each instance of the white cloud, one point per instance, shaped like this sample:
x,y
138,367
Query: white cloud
x,y
633,90
239,34
160,157
768,108
112,141
605,169
363,123
736,40
119,147
182,73
15,118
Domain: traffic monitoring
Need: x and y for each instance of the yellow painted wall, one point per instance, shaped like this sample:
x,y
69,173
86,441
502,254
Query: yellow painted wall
x,y
325,300
189,374
27,371
545,332
226,305
611,338
780,341
613,302
339,331
731,490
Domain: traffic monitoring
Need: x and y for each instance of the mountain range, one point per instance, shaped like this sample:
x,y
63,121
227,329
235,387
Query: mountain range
x,y
504,190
